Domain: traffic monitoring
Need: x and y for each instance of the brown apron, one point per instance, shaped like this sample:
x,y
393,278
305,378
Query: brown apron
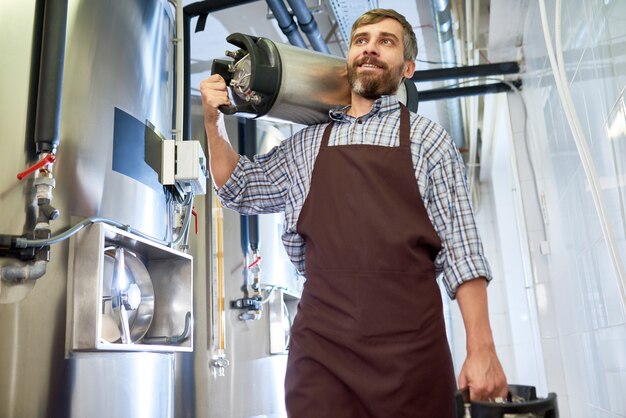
x,y
369,338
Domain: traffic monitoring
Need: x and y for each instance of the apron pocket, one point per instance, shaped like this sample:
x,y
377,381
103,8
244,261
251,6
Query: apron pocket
x,y
396,302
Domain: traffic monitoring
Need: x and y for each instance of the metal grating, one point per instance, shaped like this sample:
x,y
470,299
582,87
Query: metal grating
x,y
347,11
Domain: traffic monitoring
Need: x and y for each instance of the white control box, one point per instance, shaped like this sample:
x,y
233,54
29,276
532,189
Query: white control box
x,y
184,163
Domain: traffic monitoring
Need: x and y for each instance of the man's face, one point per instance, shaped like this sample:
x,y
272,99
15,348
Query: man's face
x,y
376,62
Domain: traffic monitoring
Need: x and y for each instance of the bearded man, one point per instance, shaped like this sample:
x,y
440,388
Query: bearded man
x,y
376,208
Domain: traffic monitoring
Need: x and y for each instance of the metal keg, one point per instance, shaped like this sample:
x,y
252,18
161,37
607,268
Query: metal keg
x,y
521,402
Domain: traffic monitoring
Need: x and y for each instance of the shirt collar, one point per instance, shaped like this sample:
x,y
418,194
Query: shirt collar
x,y
381,106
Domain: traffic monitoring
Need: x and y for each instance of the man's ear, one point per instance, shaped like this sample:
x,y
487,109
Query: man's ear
x,y
409,69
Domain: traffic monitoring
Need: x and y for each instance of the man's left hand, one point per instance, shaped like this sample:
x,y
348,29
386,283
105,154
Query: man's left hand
x,y
482,373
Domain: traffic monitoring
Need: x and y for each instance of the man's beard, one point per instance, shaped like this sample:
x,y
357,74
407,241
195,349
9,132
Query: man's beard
x,y
372,86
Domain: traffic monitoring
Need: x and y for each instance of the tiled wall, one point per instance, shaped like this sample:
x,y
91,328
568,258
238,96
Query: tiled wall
x,y
573,289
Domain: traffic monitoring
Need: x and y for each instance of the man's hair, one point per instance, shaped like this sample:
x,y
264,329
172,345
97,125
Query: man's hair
x,y
376,15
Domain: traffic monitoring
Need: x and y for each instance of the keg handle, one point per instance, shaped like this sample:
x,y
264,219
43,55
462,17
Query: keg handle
x,y
520,400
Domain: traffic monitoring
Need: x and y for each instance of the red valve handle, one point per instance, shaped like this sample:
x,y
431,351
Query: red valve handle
x,y
195,215
48,159
255,262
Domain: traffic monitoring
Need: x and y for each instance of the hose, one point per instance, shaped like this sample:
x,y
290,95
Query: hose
x,y
21,242
558,69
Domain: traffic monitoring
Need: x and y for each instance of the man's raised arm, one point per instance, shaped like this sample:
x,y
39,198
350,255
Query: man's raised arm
x,y
222,157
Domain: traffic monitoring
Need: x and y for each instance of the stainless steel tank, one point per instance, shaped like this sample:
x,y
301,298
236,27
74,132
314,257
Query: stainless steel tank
x,y
58,357
119,60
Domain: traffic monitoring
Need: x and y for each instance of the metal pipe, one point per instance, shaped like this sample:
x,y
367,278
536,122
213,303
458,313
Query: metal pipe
x,y
186,74
209,6
308,25
247,131
450,93
445,35
48,115
500,68
286,23
18,273
175,339
251,149
179,71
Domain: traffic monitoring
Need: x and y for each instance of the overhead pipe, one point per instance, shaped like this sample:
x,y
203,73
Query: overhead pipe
x,y
209,6
450,93
48,114
499,68
445,36
286,23
308,25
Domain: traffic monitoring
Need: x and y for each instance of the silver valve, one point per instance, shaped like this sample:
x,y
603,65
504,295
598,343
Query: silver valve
x,y
131,297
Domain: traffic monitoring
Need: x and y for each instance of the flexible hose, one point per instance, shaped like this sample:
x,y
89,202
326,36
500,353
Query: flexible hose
x,y
558,69
34,243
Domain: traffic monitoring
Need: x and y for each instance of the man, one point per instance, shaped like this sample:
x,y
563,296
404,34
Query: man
x,y
376,206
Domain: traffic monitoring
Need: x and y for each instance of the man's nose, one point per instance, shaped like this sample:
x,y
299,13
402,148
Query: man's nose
x,y
370,49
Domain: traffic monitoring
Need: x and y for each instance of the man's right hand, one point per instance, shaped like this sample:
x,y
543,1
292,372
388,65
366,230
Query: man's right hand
x,y
222,157
214,94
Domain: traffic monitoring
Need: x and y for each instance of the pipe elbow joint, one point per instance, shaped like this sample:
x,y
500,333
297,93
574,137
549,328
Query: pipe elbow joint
x,y
21,273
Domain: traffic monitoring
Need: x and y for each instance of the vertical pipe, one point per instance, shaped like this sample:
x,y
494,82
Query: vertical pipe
x,y
251,150
243,219
445,36
47,118
249,224
186,128
181,86
247,146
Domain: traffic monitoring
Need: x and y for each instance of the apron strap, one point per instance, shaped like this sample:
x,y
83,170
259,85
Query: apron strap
x,y
326,135
405,129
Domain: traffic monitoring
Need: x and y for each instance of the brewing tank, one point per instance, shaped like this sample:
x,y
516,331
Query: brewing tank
x,y
117,86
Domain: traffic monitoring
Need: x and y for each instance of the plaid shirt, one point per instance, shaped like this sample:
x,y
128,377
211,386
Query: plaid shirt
x,y
279,181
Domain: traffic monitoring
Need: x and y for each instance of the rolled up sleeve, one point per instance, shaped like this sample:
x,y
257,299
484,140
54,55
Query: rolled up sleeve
x,y
257,186
462,256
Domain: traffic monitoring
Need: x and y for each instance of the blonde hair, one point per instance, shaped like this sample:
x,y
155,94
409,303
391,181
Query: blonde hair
x,y
376,15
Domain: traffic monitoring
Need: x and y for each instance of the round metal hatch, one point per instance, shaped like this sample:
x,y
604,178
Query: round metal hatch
x,y
128,297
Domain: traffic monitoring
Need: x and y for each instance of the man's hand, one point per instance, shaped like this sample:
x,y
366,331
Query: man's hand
x,y
482,371
483,375
222,158
214,94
